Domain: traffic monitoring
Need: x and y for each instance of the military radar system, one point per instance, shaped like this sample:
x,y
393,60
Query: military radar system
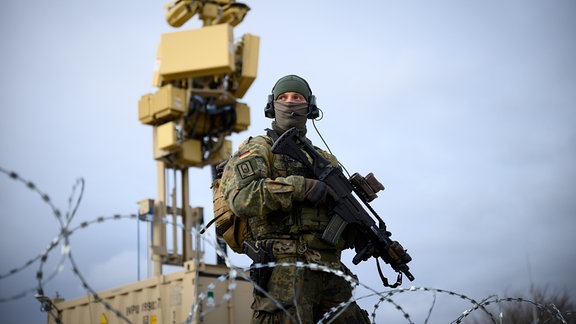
x,y
200,74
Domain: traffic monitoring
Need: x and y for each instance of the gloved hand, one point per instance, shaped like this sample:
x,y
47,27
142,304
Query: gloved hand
x,y
317,191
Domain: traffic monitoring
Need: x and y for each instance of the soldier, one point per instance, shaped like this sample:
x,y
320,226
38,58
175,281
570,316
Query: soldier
x,y
287,211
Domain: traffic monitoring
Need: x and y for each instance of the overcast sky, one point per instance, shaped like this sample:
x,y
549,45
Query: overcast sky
x,y
464,110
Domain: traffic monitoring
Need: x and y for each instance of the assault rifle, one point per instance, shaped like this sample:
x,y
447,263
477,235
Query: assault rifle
x,y
374,240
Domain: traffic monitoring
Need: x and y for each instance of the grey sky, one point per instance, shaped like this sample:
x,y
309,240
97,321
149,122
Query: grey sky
x,y
464,110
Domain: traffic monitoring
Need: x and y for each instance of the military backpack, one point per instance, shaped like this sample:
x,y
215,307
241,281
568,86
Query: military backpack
x,y
229,226
232,228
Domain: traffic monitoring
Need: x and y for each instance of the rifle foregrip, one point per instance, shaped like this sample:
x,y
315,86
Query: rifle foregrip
x,y
361,255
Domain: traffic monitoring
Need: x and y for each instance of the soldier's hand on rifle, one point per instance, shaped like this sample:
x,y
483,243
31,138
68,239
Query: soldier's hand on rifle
x,y
317,191
363,247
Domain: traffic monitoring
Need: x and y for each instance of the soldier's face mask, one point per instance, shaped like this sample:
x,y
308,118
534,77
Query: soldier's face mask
x,y
291,114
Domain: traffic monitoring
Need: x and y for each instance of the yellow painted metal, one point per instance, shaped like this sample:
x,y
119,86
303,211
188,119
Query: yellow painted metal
x,y
145,114
242,117
196,53
210,12
167,299
146,207
159,251
179,11
156,77
248,50
167,137
168,102
191,153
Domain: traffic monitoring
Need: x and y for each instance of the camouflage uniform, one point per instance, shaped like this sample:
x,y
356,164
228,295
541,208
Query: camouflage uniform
x,y
268,190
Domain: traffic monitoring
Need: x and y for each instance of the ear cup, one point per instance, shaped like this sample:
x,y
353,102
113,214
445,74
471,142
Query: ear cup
x,y
313,111
269,109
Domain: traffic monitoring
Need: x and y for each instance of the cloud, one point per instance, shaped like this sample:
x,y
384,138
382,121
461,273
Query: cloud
x,y
463,110
120,269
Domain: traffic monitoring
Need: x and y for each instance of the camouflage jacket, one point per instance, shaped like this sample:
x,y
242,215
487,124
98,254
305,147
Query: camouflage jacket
x,y
268,190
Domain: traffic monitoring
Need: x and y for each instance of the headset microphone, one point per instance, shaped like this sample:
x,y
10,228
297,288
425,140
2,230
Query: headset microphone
x,y
295,114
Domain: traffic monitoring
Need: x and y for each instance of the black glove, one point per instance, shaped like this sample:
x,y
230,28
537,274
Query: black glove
x,y
317,191
314,190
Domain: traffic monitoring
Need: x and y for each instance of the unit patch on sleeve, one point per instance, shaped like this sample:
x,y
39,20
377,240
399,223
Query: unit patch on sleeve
x,y
245,169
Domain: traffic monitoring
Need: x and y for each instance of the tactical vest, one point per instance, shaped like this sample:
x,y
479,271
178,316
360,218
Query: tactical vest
x,y
304,222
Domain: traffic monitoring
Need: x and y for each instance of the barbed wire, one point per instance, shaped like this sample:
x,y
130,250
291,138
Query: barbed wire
x,y
234,272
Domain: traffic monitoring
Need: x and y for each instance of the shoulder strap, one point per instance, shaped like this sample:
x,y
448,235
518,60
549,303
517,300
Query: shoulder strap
x,y
272,134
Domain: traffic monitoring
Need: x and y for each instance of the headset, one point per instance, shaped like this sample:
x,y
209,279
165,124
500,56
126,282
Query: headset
x,y
313,110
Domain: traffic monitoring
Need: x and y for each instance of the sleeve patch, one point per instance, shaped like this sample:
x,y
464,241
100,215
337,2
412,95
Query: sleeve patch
x,y
245,169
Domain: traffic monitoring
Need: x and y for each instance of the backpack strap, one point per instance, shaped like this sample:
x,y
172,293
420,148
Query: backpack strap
x,y
212,221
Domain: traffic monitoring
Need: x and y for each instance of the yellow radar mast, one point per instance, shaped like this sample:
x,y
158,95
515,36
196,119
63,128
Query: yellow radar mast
x,y
200,75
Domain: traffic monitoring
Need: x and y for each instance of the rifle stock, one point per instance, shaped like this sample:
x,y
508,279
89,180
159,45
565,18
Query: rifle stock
x,y
348,210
